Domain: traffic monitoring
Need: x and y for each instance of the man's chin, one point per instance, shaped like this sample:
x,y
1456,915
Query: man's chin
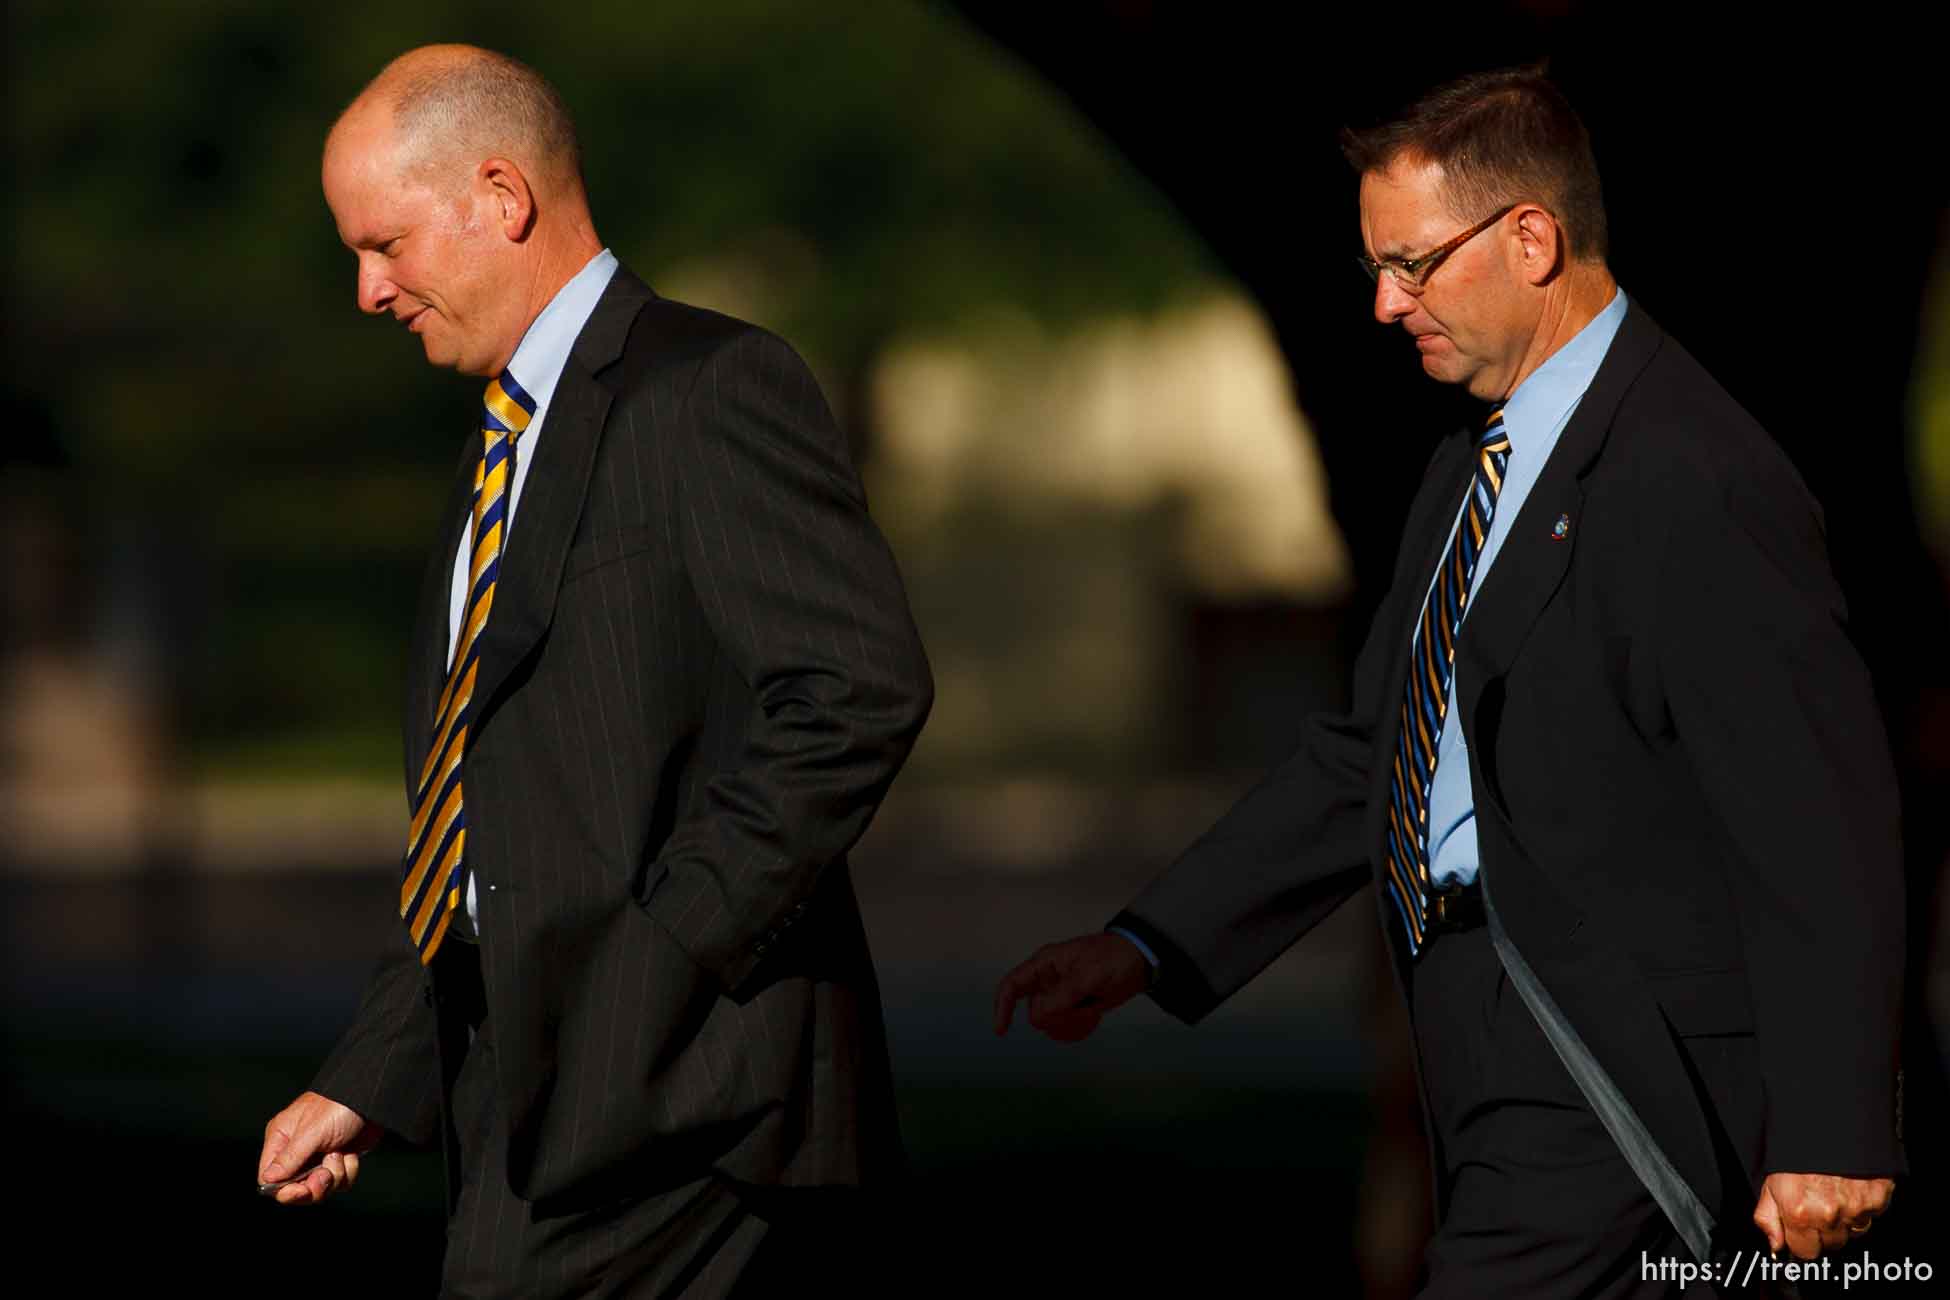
x,y
1449,370
444,357
1443,370
450,359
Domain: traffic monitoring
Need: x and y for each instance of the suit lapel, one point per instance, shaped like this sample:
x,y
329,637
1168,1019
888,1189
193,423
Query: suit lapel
x,y
553,492
1532,561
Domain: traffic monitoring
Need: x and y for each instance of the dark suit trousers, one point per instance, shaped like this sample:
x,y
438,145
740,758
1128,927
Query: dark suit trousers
x,y
1540,1202
694,1240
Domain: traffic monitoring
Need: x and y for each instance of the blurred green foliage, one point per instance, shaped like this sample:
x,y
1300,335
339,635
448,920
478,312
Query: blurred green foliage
x,y
182,320
1930,413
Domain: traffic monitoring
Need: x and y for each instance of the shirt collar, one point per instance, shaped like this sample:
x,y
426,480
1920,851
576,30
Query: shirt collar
x,y
1541,402
544,349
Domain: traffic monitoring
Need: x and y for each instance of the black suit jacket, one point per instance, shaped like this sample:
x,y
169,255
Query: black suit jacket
x,y
698,680
1684,799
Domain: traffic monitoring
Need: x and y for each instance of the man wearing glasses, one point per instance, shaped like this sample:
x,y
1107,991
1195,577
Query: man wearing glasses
x,y
1611,762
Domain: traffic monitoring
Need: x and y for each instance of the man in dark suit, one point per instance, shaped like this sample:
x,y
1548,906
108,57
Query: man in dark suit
x,y
663,674
1611,761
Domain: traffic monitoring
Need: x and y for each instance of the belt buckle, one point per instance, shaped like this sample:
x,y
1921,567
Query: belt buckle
x,y
1444,918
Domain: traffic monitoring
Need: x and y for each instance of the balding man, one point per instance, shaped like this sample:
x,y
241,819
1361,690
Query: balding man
x,y
662,674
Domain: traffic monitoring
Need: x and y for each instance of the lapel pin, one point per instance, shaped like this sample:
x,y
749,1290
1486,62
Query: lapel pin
x,y
1561,529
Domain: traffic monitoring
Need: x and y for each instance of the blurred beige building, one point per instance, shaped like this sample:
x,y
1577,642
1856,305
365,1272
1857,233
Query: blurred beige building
x,y
1055,499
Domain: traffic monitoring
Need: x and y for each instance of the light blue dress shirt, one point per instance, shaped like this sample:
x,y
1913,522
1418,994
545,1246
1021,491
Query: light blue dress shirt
x,y
1533,417
537,367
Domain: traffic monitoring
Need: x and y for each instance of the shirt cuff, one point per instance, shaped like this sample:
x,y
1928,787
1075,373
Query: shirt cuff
x,y
1140,945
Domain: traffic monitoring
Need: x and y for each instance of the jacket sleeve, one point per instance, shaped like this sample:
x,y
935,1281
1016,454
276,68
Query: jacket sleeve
x,y
386,1066
801,593
1775,711
1292,849
1287,854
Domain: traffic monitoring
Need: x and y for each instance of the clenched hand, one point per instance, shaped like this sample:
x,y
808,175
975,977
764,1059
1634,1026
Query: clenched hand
x,y
314,1125
1809,1213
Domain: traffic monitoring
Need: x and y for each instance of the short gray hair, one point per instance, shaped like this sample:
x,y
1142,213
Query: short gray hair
x,y
481,104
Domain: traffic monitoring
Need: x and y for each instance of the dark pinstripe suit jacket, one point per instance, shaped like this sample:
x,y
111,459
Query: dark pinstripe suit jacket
x,y
698,680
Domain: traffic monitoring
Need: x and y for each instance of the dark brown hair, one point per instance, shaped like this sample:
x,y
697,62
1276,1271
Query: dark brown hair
x,y
1501,137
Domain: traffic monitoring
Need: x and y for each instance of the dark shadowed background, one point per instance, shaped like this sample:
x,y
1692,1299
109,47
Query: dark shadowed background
x,y
1079,281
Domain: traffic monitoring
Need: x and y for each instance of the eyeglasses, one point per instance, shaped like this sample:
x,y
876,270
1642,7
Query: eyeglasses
x,y
1411,274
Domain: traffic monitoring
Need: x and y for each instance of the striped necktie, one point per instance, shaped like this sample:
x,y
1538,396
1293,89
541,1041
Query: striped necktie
x,y
1432,654
430,894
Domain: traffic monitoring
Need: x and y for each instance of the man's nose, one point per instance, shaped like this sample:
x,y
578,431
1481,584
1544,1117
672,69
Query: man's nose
x,y
376,292
1391,301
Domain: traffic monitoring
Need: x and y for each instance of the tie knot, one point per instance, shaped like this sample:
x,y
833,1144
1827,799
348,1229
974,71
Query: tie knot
x,y
1493,436
509,407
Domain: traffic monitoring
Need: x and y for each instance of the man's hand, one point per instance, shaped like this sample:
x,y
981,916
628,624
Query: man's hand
x,y
1809,1213
313,1126
1071,985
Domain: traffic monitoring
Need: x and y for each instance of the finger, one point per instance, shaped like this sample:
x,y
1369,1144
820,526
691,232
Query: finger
x,y
351,1174
1767,1217
321,1181
295,1145
1004,1009
269,1167
1042,984
1016,985
1834,1238
334,1164
1804,1243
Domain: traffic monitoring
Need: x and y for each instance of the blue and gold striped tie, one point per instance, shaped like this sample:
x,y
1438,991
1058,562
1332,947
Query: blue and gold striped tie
x,y
1432,655
436,846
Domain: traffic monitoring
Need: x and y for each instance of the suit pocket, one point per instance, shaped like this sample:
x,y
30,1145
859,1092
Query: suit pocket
x,y
1700,1003
594,553
1636,687
1483,748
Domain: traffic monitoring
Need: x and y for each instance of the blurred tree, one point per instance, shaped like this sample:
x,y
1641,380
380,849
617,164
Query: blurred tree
x,y
182,311
1930,413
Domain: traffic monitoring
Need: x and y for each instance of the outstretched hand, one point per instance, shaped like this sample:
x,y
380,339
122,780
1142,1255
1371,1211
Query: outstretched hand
x,y
314,1126
1069,986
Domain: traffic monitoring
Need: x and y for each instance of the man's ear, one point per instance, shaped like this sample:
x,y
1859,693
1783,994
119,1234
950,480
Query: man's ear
x,y
508,190
1540,242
